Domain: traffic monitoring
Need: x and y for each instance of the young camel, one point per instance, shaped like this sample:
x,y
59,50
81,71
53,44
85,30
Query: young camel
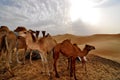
x,y
21,43
72,52
44,45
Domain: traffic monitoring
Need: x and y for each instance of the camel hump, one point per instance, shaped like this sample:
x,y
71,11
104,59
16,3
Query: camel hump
x,y
67,40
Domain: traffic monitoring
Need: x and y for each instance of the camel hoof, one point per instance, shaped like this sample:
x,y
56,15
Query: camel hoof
x,y
57,76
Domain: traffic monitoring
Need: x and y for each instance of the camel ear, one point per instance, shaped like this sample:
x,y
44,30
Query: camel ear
x,y
43,33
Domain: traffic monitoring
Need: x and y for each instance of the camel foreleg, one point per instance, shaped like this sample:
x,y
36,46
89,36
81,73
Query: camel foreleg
x,y
30,56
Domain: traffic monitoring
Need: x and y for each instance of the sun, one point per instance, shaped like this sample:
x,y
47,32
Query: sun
x,y
85,10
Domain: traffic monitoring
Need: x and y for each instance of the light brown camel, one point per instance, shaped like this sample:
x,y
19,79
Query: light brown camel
x,y
44,45
70,51
21,43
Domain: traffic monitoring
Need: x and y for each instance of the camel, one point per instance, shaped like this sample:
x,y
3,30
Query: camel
x,y
70,51
44,45
20,44
8,43
3,31
7,47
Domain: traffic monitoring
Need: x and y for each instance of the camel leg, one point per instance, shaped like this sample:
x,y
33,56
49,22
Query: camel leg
x,y
85,67
69,63
43,66
73,67
46,64
24,56
50,61
7,66
10,56
56,56
30,56
18,61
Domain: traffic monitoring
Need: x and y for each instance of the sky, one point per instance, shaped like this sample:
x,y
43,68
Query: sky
x,y
79,17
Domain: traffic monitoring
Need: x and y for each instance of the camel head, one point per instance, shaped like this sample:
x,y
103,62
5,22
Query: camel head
x,y
28,34
89,47
20,28
4,29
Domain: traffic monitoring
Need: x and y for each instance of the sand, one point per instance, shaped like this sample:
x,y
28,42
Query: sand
x,y
103,63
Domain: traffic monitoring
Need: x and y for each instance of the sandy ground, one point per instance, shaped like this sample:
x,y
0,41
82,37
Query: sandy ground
x,y
103,63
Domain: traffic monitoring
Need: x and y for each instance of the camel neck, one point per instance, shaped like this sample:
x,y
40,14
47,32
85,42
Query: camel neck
x,y
85,51
29,40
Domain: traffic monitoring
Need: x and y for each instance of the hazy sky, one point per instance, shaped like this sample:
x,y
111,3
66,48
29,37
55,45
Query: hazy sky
x,y
80,17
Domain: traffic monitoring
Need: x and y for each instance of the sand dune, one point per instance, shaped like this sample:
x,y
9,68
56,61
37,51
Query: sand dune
x,y
103,63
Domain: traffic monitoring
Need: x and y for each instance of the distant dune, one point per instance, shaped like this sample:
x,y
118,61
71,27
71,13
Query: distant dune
x,y
107,45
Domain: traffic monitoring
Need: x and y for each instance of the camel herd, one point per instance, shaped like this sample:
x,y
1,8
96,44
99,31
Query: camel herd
x,y
21,38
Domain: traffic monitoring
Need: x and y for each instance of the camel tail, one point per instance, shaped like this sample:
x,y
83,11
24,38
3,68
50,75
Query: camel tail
x,y
4,43
54,52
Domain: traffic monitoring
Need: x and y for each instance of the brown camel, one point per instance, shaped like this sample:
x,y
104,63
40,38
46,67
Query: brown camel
x,y
3,30
72,52
8,43
7,47
44,45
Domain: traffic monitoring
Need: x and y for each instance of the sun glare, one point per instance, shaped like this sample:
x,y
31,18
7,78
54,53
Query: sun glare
x,y
84,10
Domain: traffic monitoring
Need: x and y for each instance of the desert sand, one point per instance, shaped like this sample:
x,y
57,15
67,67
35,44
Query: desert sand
x,y
103,63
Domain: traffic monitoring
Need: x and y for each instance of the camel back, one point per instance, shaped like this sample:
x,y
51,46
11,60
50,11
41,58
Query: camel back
x,y
48,43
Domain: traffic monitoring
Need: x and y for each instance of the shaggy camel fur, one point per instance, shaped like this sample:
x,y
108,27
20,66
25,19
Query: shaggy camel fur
x,y
72,52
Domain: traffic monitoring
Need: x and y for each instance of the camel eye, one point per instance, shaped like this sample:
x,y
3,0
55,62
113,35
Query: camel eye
x,y
25,32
